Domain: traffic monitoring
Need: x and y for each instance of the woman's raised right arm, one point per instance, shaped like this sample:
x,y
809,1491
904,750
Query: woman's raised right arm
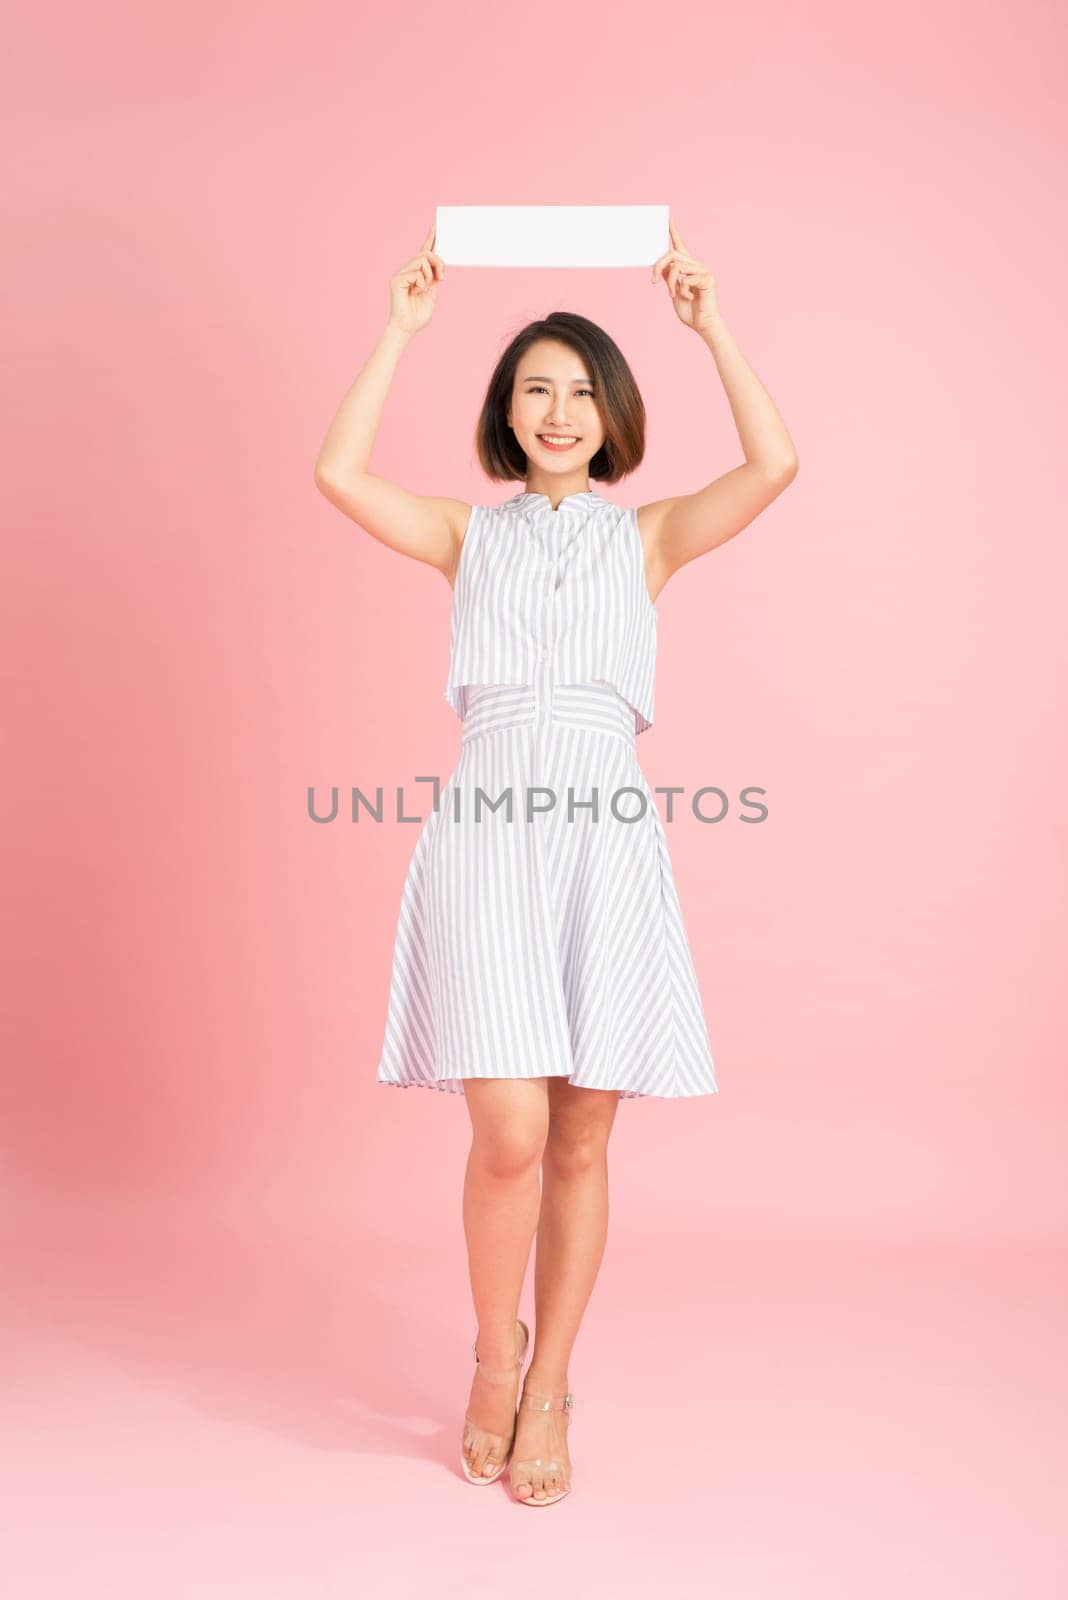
x,y
427,527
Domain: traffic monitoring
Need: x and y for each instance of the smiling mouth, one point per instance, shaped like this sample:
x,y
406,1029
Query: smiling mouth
x,y
558,441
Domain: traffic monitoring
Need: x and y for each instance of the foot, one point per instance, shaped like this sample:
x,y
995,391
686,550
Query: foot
x,y
490,1420
540,1464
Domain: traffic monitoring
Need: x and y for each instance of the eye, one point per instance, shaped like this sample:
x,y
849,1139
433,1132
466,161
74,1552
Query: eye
x,y
540,387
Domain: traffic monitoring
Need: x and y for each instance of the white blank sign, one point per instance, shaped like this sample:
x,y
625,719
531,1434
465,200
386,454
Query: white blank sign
x,y
551,236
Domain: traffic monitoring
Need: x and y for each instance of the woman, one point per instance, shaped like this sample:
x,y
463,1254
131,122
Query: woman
x,y
541,966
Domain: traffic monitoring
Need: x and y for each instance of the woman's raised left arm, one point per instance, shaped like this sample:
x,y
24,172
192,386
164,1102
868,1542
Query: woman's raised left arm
x,y
678,529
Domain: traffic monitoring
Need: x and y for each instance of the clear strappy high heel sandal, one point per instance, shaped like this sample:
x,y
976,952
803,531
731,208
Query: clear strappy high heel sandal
x,y
525,1471
500,1445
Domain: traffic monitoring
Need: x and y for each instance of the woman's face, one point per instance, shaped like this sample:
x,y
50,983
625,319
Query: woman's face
x,y
553,395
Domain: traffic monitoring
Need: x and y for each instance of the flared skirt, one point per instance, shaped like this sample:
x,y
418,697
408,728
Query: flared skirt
x,y
540,932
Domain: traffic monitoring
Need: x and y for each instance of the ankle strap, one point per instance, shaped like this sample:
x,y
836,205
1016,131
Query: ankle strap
x,y
547,1402
507,1376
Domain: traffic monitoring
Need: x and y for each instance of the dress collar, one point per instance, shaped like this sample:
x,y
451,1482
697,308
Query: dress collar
x,y
528,501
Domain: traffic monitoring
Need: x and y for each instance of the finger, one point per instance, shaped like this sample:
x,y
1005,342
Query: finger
x,y
687,278
682,284
661,262
418,261
676,235
682,250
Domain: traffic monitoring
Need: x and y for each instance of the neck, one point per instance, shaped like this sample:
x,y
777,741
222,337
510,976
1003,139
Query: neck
x,y
556,490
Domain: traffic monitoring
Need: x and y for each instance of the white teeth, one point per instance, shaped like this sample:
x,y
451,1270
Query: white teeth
x,y
556,438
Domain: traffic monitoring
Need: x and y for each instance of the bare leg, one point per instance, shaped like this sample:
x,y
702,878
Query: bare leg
x,y
572,1230
509,1119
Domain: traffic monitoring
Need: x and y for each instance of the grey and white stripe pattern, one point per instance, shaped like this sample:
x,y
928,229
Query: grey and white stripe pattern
x,y
540,931
573,584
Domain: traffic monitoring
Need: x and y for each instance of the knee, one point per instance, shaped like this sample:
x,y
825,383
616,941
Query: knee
x,y
571,1151
509,1152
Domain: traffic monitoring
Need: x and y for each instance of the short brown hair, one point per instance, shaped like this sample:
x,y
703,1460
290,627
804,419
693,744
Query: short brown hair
x,y
618,400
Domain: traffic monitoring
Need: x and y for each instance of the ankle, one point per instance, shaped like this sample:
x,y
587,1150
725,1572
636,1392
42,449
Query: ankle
x,y
497,1354
545,1381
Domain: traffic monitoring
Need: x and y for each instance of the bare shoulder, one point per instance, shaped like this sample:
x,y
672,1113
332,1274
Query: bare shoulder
x,y
457,514
650,519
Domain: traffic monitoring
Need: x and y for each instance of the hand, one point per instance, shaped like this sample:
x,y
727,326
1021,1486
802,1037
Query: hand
x,y
413,290
693,288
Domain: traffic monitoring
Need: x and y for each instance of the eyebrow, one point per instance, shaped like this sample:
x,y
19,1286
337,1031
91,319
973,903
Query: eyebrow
x,y
537,377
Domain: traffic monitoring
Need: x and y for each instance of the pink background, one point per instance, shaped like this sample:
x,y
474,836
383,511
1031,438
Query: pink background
x,y
820,1358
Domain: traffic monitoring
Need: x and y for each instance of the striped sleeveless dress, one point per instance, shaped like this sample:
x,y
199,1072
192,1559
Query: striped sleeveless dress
x,y
540,932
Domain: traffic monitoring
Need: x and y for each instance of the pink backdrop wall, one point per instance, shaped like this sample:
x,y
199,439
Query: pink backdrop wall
x,y
204,210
